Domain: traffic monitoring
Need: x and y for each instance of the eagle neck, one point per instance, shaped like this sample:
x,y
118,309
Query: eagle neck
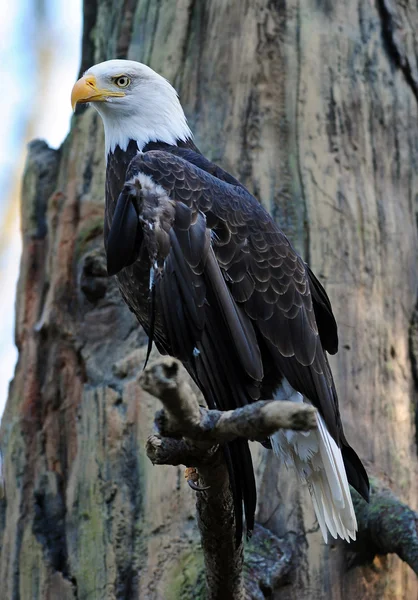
x,y
121,157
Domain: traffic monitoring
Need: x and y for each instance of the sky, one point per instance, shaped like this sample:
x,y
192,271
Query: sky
x,y
40,43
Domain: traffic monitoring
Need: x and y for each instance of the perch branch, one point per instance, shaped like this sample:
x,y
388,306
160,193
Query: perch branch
x,y
216,521
215,511
386,525
190,435
184,417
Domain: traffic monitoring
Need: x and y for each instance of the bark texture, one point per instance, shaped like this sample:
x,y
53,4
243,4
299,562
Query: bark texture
x,y
313,105
385,526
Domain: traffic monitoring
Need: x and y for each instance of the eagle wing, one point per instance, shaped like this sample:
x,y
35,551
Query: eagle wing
x,y
221,248
234,301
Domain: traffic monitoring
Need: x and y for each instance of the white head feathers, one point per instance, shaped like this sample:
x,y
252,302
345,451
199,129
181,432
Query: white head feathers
x,y
149,111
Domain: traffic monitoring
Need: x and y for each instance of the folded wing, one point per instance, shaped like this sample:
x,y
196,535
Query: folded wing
x,y
232,297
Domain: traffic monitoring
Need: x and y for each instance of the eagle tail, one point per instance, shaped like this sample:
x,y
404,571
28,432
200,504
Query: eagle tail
x,y
319,463
241,475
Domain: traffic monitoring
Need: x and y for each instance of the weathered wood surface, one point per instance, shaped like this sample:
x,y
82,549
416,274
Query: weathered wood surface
x,y
313,104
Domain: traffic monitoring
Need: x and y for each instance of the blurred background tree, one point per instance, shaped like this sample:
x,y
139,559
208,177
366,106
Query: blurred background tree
x,y
37,37
313,105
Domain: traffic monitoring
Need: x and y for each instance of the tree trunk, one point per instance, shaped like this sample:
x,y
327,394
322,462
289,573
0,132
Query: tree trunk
x,y
313,105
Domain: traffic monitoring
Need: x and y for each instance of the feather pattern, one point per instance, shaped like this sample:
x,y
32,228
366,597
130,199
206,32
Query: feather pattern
x,y
319,463
236,304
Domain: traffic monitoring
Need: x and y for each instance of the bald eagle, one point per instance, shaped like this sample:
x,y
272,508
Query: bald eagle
x,y
215,283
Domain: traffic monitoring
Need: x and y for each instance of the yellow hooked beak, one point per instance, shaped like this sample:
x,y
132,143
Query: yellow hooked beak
x,y
86,90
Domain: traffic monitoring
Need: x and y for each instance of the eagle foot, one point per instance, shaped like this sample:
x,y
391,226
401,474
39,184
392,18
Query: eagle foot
x,y
192,477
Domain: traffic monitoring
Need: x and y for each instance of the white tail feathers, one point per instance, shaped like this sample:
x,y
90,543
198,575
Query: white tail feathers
x,y
319,463
330,490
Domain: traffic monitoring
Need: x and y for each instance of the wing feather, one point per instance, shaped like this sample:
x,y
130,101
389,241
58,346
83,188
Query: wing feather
x,y
233,294
124,235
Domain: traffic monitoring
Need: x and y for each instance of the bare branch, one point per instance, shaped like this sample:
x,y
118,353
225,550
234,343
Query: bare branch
x,y
191,435
386,525
257,421
163,450
184,417
216,521
164,379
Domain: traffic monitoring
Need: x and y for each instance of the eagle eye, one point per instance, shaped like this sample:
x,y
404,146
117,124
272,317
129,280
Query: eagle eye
x,y
122,81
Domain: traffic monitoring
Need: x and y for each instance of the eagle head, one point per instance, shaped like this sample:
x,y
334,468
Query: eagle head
x,y
134,102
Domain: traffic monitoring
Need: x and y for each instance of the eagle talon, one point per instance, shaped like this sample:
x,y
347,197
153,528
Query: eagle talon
x,y
192,477
196,488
